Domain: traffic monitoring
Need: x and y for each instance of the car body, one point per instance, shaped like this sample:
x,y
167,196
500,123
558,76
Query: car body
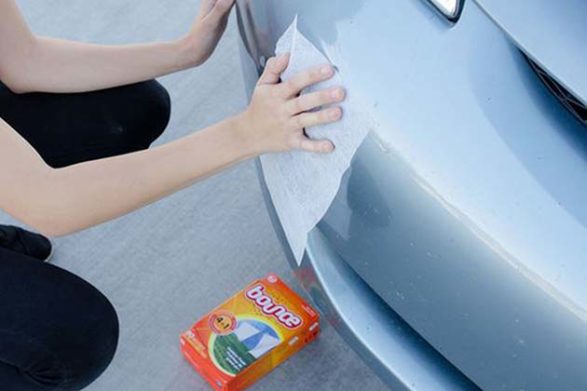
x,y
455,253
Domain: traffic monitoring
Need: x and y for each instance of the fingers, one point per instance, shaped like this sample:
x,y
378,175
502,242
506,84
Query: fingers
x,y
273,69
206,6
307,78
311,101
221,7
308,120
315,146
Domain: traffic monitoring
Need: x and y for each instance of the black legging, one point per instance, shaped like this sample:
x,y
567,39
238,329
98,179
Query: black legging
x,y
58,332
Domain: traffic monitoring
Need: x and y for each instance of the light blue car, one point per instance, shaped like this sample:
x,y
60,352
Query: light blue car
x,y
455,253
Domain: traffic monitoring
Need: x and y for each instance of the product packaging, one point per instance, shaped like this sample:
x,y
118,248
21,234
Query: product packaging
x,y
250,334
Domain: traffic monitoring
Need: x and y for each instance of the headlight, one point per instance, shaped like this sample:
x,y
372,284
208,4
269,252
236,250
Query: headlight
x,y
449,8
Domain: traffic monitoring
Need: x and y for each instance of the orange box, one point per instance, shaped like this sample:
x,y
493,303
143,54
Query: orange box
x,y
250,334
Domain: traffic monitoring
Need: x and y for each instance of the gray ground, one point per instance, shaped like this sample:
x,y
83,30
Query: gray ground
x,y
170,263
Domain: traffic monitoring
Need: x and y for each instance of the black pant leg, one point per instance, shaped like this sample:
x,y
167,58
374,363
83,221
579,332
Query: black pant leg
x,y
57,332
71,128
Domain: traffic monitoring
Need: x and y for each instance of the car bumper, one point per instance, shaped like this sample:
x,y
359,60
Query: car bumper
x,y
397,354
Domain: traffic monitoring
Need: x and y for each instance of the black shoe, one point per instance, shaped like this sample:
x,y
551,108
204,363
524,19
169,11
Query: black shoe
x,y
25,242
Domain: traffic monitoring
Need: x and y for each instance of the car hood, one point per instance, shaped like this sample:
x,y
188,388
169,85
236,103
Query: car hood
x,y
552,33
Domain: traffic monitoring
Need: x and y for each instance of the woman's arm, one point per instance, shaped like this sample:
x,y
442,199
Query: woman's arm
x,y
30,63
61,201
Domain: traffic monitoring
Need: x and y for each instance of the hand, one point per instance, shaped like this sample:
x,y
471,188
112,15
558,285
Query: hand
x,y
277,116
205,33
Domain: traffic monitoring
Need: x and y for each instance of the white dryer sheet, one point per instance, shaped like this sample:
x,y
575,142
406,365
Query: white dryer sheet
x,y
303,185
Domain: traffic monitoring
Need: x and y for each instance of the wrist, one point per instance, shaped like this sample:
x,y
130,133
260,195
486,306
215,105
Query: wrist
x,y
245,135
187,52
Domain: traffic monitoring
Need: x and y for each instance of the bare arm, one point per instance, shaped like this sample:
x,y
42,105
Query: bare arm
x,y
30,63
61,201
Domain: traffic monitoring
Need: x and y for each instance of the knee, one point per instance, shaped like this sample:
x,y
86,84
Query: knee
x,y
93,345
82,343
156,110
56,330
142,112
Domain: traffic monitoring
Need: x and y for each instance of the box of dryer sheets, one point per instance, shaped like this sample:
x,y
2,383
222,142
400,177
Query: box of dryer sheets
x,y
250,334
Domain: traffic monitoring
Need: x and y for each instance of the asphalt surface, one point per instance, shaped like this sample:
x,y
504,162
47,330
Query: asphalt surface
x,y
168,264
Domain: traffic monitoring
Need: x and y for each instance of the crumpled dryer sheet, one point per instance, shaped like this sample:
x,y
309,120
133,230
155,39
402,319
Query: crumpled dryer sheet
x,y
302,184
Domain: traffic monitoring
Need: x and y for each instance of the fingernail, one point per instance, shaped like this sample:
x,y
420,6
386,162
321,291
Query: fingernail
x,y
338,93
335,113
327,70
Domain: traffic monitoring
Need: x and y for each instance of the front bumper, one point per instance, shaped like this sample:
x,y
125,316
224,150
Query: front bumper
x,y
399,356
